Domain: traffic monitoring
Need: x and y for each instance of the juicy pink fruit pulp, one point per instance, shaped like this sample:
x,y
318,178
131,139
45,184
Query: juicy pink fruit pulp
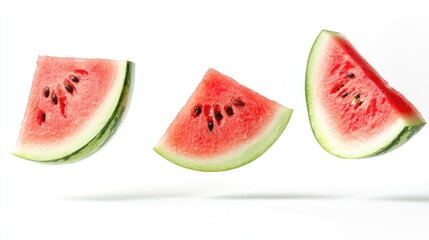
x,y
359,102
52,120
214,95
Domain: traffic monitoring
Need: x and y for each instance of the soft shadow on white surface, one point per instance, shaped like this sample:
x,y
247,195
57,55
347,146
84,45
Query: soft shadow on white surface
x,y
277,196
252,196
128,196
149,195
423,198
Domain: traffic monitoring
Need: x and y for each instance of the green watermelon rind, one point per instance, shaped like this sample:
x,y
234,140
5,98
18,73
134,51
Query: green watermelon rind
x,y
106,131
393,137
239,155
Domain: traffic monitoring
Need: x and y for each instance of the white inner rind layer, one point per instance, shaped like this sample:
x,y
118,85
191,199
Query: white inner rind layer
x,y
238,155
324,130
44,151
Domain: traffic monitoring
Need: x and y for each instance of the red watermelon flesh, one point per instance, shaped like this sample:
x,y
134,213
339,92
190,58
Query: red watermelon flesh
x,y
223,125
74,105
353,111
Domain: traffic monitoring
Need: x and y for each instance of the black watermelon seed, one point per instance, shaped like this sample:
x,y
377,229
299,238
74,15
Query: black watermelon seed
x,y
46,92
357,96
54,98
197,111
350,75
339,87
229,110
237,102
210,125
344,94
43,117
218,116
74,78
68,87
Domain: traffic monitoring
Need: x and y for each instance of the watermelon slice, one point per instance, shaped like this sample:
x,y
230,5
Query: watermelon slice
x,y
224,125
74,106
353,112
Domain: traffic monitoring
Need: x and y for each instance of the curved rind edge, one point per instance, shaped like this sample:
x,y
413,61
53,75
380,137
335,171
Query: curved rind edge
x,y
406,134
235,158
107,131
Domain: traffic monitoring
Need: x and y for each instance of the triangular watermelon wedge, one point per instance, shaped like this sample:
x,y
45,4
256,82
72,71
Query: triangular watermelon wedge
x,y
224,125
353,111
75,106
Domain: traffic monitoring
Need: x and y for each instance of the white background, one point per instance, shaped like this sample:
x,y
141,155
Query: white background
x,y
294,191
